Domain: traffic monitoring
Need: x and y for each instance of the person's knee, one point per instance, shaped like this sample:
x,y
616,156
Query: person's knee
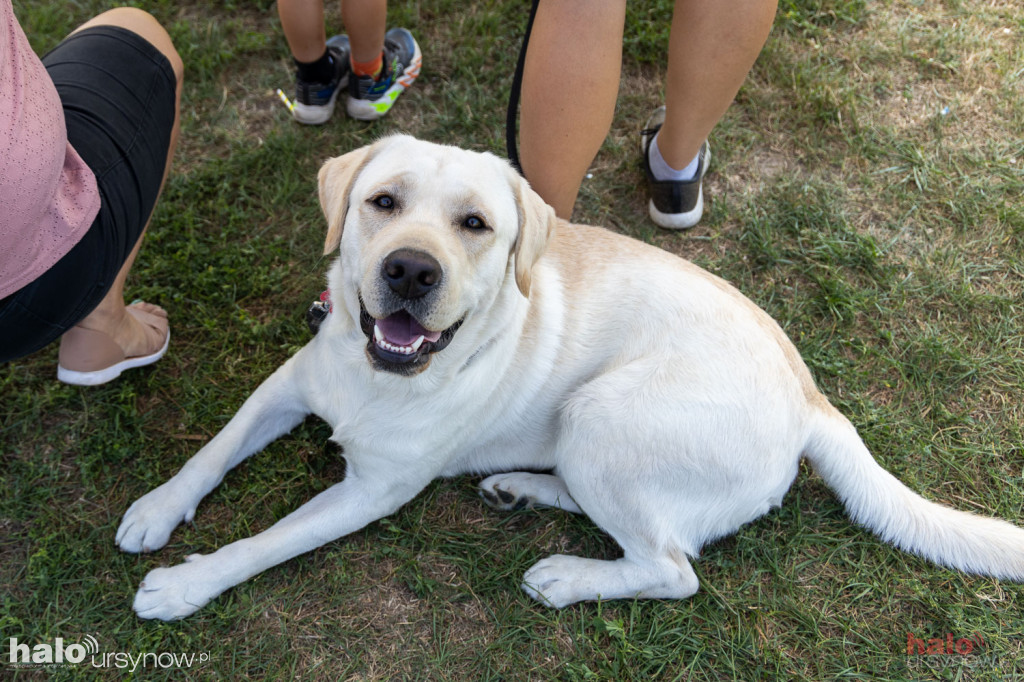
x,y
145,25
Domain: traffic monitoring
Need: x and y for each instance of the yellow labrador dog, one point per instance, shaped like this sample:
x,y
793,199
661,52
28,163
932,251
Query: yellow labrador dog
x,y
472,332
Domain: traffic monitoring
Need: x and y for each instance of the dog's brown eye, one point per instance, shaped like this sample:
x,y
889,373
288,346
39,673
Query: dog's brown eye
x,y
385,202
474,223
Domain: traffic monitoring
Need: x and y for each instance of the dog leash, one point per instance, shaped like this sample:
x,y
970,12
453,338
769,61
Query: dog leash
x,y
511,116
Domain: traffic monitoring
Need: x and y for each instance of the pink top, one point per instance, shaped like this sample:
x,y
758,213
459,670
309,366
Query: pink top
x,y
48,196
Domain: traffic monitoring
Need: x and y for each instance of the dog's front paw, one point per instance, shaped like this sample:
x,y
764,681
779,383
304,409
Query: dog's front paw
x,y
171,593
553,581
148,523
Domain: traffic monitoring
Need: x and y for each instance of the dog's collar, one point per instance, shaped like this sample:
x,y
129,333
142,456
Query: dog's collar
x,y
319,311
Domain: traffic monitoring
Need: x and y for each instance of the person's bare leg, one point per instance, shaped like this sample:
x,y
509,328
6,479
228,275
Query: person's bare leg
x,y
303,24
570,84
365,22
712,47
111,316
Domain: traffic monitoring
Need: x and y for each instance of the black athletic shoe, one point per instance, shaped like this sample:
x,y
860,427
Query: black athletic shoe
x,y
314,102
674,204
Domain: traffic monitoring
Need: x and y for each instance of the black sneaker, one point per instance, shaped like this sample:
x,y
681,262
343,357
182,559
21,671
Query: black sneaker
x,y
674,204
314,102
369,99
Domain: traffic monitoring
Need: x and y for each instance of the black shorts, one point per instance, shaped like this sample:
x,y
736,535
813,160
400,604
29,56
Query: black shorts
x,y
118,95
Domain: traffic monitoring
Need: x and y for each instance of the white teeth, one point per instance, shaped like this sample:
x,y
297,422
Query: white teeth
x,y
378,338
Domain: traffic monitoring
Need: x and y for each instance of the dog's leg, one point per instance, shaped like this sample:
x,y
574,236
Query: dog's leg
x,y
363,497
660,476
561,580
273,409
518,490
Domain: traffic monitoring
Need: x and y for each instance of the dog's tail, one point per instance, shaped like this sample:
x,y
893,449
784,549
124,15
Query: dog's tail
x,y
874,498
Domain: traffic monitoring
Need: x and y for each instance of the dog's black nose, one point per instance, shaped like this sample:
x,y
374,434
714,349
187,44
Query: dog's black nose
x,y
411,273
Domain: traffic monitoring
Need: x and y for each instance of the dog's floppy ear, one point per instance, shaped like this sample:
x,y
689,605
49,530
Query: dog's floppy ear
x,y
335,179
536,225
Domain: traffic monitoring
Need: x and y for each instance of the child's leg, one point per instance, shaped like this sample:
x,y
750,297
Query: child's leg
x,y
303,24
365,22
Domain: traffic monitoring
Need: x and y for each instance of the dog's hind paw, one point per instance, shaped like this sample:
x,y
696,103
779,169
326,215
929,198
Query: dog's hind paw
x,y
172,593
554,581
519,490
560,580
496,494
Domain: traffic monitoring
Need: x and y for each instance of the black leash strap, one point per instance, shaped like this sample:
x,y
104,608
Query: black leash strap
x,y
511,147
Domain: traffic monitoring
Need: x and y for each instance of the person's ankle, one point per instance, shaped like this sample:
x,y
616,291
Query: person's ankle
x,y
107,318
371,69
319,71
662,171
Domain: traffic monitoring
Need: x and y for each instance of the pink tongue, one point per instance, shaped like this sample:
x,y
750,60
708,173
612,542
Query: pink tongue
x,y
402,330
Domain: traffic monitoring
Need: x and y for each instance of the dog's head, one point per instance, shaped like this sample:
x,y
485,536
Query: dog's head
x,y
429,235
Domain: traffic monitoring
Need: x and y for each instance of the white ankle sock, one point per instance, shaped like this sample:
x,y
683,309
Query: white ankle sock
x,y
663,171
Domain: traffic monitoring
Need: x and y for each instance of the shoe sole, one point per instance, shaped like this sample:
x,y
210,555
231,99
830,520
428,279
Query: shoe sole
x,y
364,110
102,376
678,221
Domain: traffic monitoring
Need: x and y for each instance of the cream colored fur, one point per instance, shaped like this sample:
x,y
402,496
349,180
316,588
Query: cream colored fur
x,y
668,407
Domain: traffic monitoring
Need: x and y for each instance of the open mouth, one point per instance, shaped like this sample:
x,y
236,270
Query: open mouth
x,y
399,343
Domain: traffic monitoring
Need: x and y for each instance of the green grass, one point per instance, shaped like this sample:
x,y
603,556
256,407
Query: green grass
x,y
866,191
